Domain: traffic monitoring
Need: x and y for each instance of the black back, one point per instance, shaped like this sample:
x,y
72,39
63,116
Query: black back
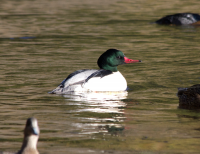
x,y
100,73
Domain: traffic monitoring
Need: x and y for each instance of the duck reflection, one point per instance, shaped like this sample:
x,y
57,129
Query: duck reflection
x,y
96,96
100,112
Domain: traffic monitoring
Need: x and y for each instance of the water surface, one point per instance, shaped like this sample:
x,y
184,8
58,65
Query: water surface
x,y
44,41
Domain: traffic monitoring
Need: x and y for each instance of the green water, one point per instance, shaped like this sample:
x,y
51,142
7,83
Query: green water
x,y
65,36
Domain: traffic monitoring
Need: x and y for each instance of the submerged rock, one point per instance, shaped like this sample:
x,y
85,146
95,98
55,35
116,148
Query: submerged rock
x,y
189,97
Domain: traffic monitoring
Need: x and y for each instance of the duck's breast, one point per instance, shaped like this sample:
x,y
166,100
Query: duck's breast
x,y
110,82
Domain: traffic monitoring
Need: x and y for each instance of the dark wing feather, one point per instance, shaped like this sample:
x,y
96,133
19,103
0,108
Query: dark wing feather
x,y
100,73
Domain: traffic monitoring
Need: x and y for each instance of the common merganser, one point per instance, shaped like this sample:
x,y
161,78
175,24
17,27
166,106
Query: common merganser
x,y
180,19
107,78
189,97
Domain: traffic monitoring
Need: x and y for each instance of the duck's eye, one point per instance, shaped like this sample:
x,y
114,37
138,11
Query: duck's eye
x,y
119,57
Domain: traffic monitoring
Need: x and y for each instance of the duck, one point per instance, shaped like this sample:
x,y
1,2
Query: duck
x,y
189,97
180,19
107,78
31,135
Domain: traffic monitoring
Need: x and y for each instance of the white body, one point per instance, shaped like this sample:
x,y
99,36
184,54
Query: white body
x,y
111,82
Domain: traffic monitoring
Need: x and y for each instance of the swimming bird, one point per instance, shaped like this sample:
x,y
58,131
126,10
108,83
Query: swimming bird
x,y
107,78
180,19
189,97
31,135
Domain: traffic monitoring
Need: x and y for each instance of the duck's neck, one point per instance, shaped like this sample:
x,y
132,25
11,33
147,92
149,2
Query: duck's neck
x,y
110,68
29,144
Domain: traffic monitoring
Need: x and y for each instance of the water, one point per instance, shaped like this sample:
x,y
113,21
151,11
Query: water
x,y
44,41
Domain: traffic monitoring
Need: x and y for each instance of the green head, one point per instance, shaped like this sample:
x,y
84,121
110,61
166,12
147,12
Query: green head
x,y
110,59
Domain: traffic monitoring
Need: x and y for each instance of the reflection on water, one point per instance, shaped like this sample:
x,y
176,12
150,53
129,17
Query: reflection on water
x,y
99,102
111,99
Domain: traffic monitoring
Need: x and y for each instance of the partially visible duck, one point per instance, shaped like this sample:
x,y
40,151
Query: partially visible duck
x,y
107,78
180,19
189,97
31,135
